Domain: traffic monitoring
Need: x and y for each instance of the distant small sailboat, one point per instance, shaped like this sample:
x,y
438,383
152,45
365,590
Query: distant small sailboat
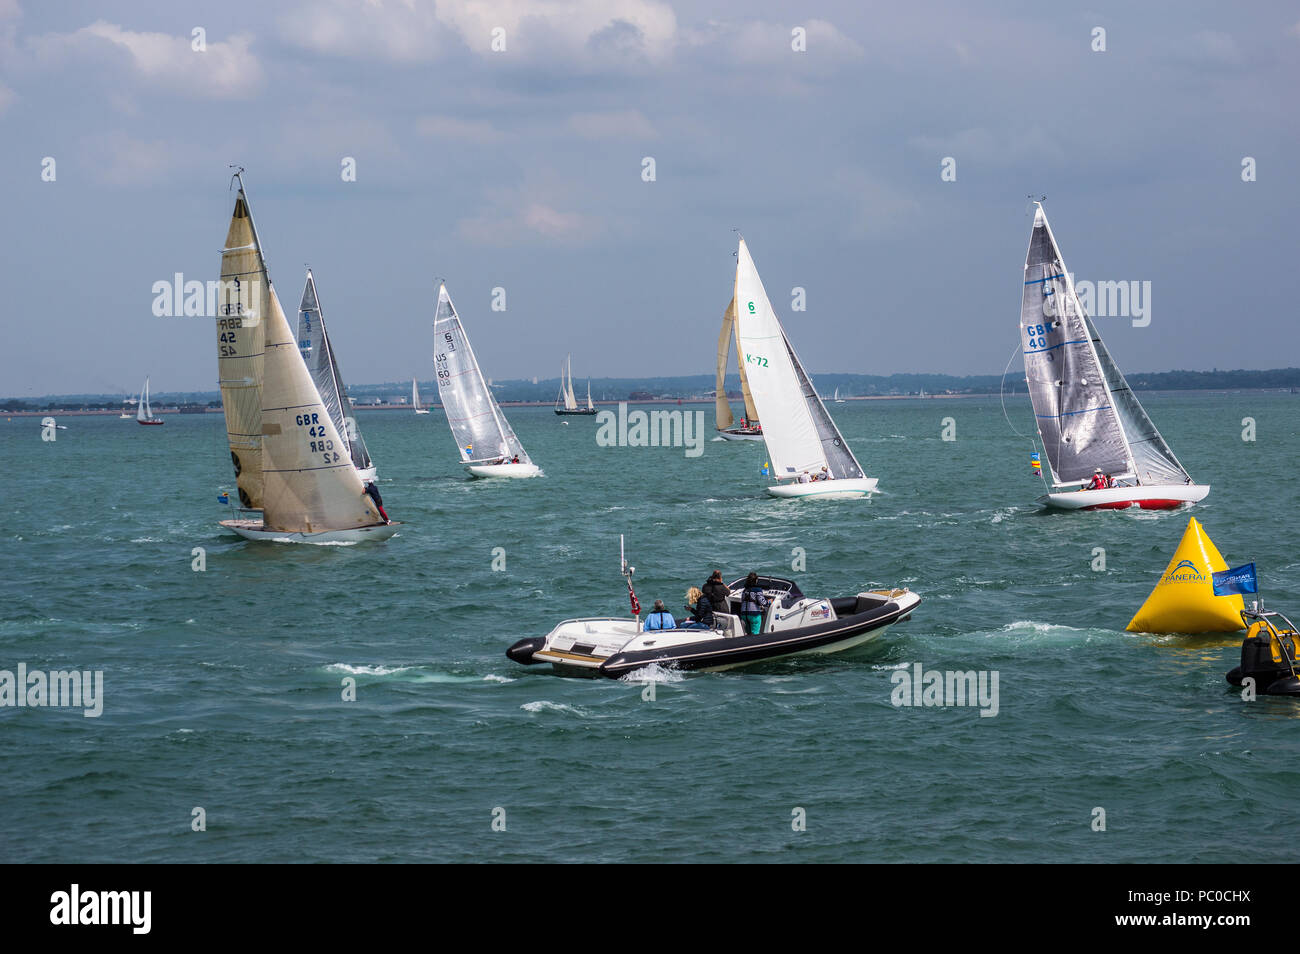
x,y
415,399
127,415
486,441
749,429
565,401
318,353
143,413
307,486
803,442
1090,422
838,399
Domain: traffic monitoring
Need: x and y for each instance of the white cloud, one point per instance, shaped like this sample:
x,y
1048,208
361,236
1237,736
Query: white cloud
x,y
458,130
757,42
626,124
522,216
226,70
584,31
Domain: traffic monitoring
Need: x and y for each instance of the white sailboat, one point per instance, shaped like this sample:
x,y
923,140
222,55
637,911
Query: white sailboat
x,y
1089,421
127,415
318,354
486,441
415,399
306,485
803,442
565,401
143,413
838,399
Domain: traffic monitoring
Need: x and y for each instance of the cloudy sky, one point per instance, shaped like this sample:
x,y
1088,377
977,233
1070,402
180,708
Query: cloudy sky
x,y
523,168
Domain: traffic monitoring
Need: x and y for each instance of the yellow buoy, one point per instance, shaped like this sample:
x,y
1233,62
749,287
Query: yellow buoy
x,y
1184,601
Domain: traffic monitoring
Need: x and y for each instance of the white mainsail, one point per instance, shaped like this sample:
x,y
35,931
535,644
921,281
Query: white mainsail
x,y
318,353
566,396
310,483
1088,417
143,412
244,301
415,395
797,429
483,435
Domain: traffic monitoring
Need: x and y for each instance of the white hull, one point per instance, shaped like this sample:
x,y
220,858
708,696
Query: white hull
x,y
367,475
827,489
254,530
733,436
1148,497
504,470
420,410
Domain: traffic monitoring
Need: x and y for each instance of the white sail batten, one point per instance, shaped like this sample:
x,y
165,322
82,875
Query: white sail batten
x,y
243,303
791,434
318,354
1077,418
310,483
483,435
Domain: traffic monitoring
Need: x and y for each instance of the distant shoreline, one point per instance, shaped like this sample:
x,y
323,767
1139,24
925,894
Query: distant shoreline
x,y
671,402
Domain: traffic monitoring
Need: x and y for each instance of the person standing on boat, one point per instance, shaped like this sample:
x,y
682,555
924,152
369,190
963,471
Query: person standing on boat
x,y
753,601
373,492
718,594
660,618
701,609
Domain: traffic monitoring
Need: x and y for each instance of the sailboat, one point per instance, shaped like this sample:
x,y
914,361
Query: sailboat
x,y
803,442
318,353
749,428
143,413
486,441
1089,420
415,399
290,460
127,415
838,399
565,402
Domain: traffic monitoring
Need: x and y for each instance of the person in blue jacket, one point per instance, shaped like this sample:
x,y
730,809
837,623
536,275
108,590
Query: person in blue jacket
x,y
753,601
660,618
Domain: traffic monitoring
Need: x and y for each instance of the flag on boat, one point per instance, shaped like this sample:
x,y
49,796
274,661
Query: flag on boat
x,y
1240,579
766,469
223,498
1036,463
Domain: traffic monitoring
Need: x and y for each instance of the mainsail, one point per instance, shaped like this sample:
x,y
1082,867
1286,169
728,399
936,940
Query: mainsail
x,y
566,395
243,304
722,407
1078,419
142,410
799,433
310,483
482,432
314,343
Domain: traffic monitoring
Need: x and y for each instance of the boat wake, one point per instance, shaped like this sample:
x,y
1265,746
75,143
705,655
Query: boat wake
x,y
366,670
545,705
653,673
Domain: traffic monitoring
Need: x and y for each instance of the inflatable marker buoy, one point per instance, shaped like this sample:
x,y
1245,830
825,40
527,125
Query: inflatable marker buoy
x,y
1184,601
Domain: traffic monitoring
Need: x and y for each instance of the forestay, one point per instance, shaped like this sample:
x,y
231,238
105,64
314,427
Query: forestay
x,y
314,343
1077,419
482,432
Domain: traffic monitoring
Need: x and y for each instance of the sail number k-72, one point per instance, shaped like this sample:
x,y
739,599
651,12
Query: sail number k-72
x,y
756,359
315,428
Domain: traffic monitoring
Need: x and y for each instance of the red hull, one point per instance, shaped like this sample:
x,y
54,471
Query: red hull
x,y
1144,504
150,423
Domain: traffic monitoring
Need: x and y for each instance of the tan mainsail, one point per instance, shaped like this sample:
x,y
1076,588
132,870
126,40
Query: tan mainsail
x,y
242,305
310,483
722,407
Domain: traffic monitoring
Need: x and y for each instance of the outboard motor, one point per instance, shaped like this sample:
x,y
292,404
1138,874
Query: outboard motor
x,y
1268,655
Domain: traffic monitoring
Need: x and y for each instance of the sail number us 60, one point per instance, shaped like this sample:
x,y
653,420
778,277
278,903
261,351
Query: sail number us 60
x,y
315,428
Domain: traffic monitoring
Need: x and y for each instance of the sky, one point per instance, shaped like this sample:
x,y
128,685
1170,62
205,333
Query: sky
x,y
883,168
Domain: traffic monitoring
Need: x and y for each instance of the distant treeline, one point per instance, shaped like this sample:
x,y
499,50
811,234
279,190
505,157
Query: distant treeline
x,y
701,385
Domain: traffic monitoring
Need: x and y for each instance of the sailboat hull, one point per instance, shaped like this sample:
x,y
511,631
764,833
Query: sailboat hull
x,y
1147,497
739,435
575,412
504,470
152,422
367,474
255,530
827,489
